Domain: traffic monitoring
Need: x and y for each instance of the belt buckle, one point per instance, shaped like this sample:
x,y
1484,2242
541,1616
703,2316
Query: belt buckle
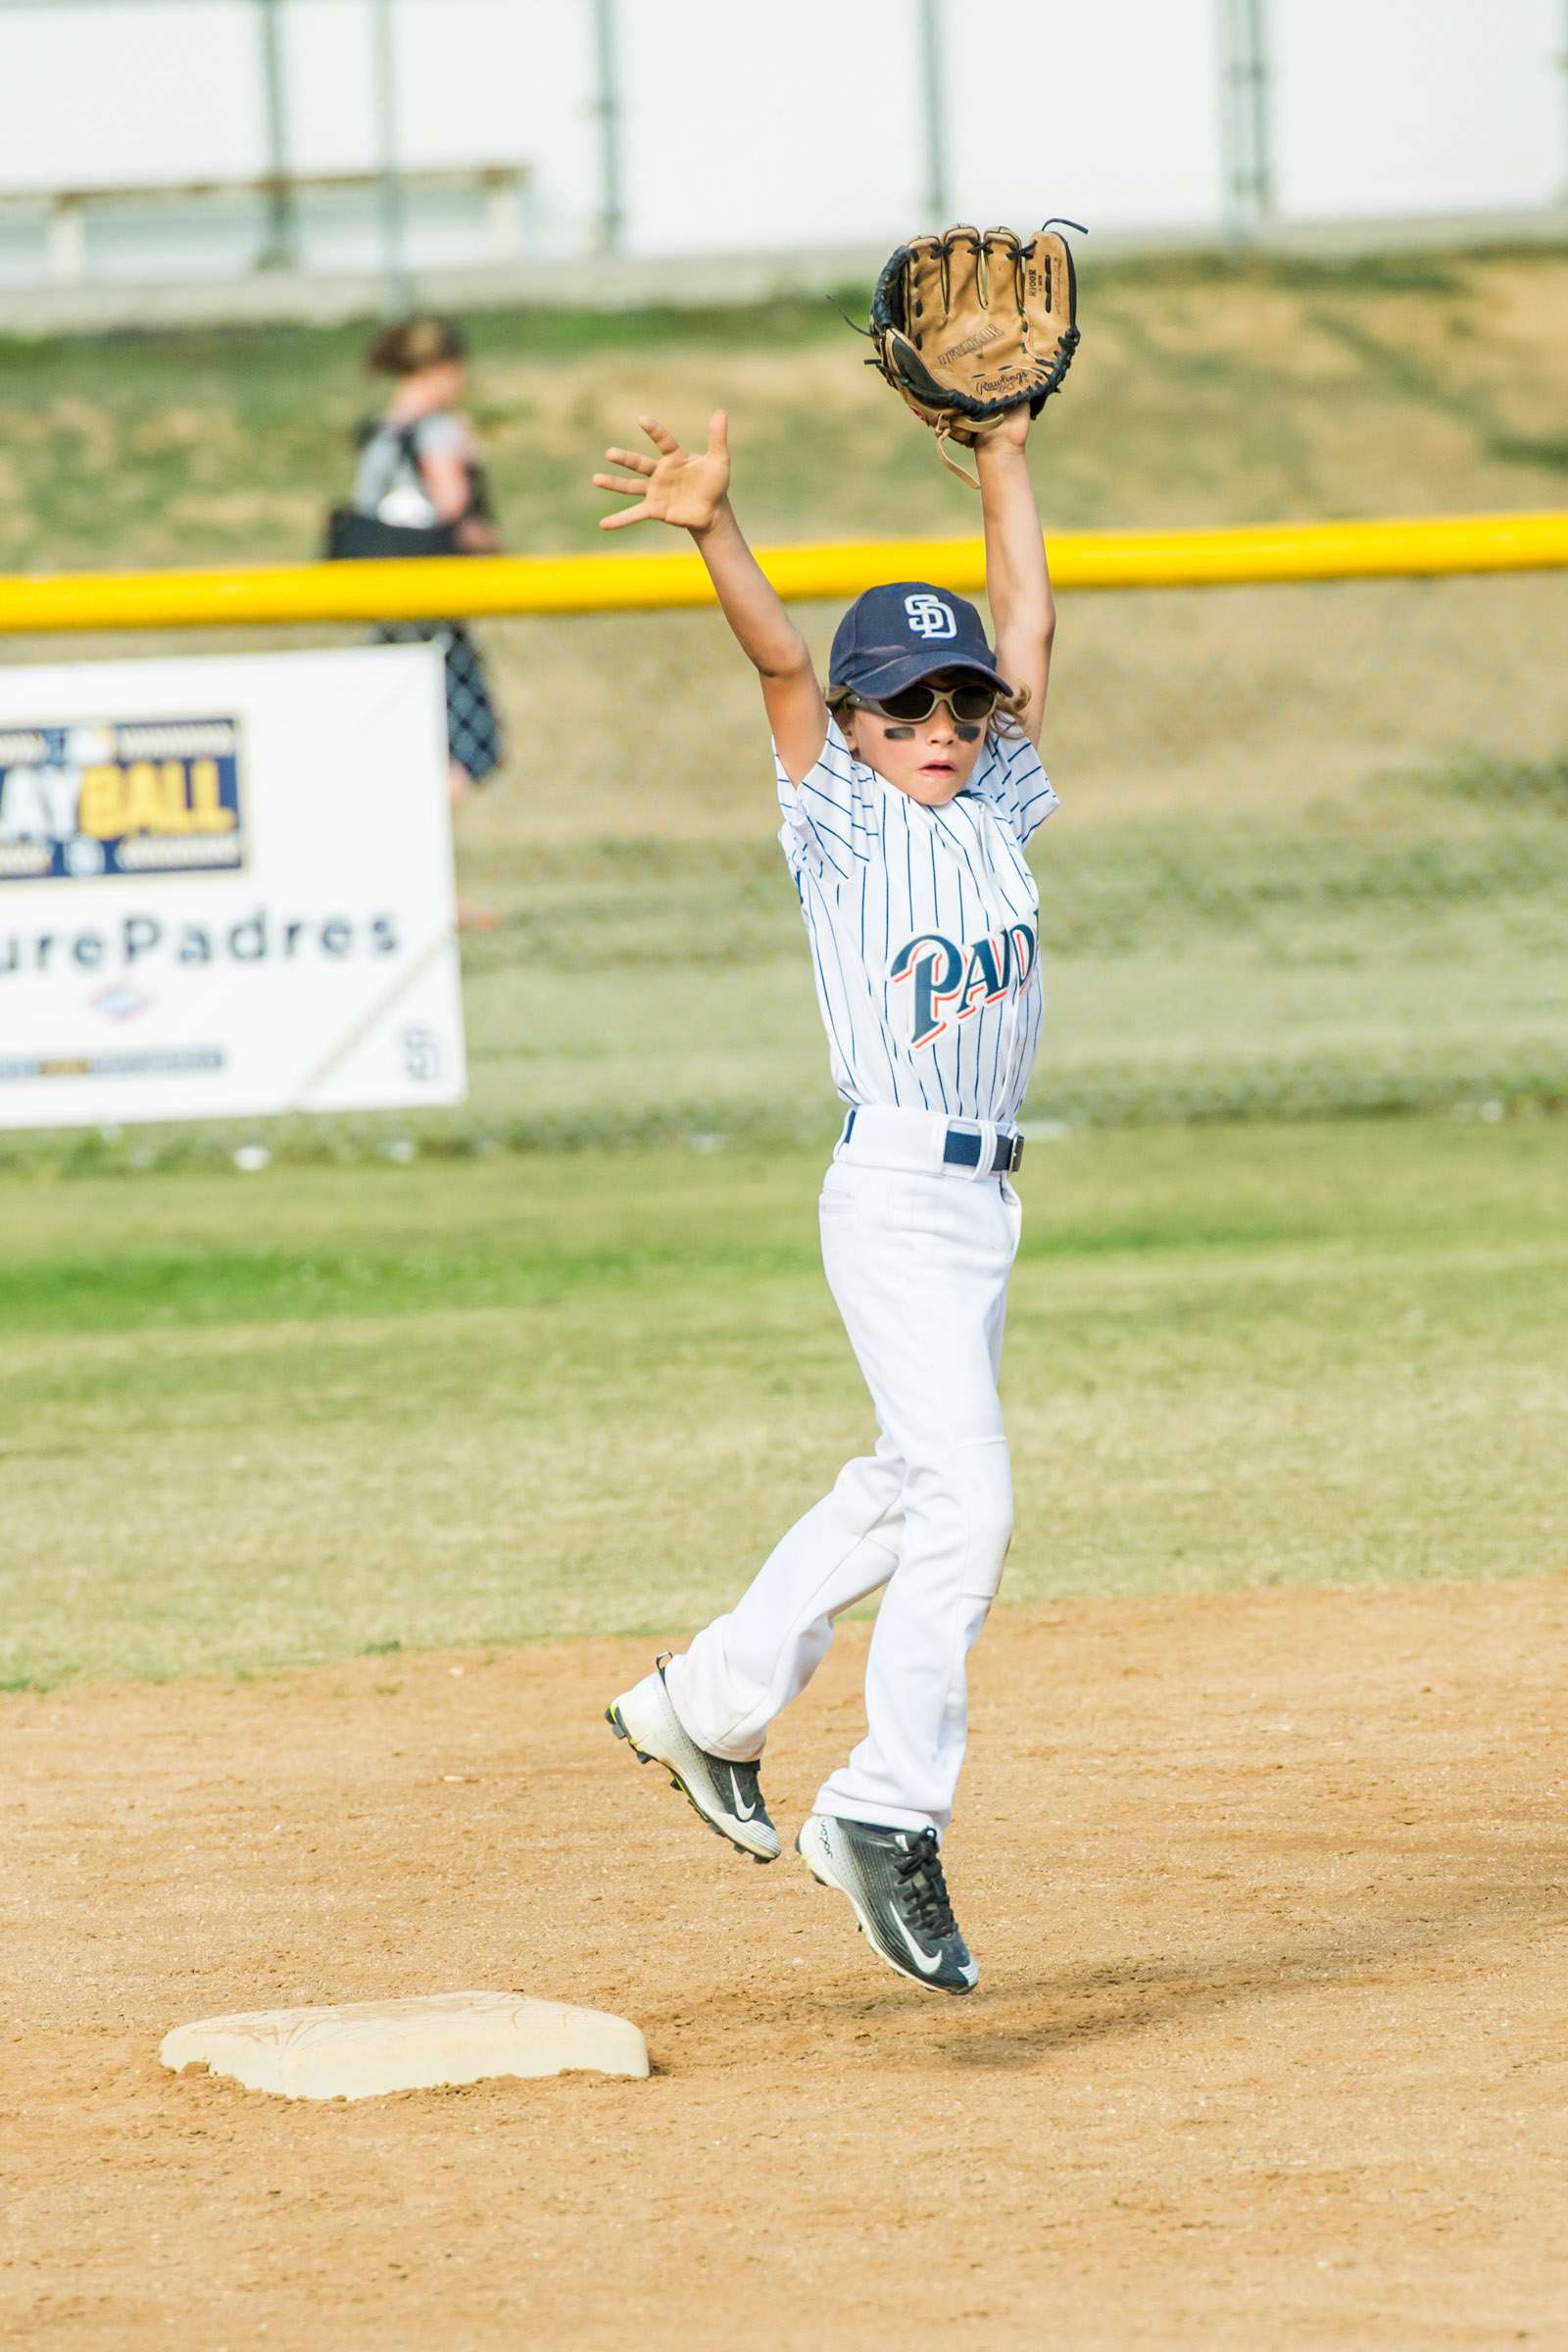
x,y
1014,1156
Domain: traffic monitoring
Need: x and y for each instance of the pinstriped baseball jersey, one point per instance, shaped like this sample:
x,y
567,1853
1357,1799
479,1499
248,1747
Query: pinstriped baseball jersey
x,y
924,926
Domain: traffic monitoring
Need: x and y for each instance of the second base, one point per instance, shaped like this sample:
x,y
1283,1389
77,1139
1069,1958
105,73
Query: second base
x,y
370,2047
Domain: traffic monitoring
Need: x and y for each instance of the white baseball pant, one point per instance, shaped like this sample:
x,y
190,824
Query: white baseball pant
x,y
918,1263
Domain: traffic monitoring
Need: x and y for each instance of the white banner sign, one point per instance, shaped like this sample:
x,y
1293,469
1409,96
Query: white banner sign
x,y
226,888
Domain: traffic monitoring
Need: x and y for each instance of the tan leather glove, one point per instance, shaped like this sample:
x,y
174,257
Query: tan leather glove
x,y
966,327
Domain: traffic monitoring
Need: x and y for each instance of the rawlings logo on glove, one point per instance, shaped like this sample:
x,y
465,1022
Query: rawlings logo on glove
x,y
967,326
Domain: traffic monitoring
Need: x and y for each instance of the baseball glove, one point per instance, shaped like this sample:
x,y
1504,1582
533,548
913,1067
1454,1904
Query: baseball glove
x,y
966,327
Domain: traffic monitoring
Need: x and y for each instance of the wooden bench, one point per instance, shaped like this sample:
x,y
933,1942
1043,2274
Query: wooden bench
x,y
65,213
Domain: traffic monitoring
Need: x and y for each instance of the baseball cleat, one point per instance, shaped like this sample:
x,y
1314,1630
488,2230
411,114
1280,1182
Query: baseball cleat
x,y
728,1796
894,1880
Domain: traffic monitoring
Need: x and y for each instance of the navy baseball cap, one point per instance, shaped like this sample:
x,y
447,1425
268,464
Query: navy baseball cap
x,y
894,635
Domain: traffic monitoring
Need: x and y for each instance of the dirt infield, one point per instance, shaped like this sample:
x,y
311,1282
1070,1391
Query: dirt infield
x,y
1269,1892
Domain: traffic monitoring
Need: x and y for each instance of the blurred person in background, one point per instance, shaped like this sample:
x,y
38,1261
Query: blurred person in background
x,y
421,490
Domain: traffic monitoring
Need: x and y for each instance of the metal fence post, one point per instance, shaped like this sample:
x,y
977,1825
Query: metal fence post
x,y
1244,125
929,33
280,243
611,227
397,285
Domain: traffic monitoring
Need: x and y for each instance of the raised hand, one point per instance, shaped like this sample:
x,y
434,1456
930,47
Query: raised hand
x,y
684,491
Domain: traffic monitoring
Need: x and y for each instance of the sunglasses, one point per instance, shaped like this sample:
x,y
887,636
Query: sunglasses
x,y
966,706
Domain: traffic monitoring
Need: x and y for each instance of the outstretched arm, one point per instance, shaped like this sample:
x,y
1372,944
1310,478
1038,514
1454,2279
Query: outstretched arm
x,y
1017,576
692,493
450,488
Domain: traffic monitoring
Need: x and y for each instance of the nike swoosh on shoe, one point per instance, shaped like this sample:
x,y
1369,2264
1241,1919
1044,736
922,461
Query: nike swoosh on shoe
x,y
926,1962
742,1812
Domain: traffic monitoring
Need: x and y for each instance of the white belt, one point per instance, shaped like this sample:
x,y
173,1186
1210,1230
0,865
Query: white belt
x,y
927,1142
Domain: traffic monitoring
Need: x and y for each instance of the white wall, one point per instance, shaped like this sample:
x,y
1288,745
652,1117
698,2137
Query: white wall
x,y
1414,106
138,92
749,126
1108,113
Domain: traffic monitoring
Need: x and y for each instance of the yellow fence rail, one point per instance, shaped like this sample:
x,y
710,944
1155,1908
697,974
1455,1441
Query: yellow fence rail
x,y
461,586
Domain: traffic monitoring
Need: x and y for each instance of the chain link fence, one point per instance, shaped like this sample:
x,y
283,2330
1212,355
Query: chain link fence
x,y
1324,860
1312,858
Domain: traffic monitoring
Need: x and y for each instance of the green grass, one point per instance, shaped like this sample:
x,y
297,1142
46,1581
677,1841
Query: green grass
x,y
1296,955
1314,842
1203,392
249,1421
1312,857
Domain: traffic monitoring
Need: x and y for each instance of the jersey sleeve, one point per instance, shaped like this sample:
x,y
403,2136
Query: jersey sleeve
x,y
440,436
828,817
1011,779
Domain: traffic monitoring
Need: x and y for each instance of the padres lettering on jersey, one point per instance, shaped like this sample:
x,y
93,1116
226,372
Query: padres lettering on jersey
x,y
924,926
